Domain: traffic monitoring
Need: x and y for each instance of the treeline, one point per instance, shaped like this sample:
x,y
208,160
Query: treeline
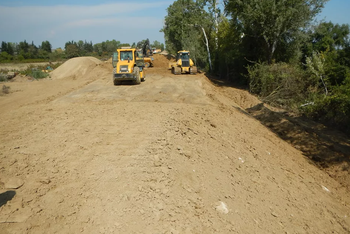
x,y
23,51
273,47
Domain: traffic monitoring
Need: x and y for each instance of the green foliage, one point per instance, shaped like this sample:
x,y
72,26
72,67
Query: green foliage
x,y
46,46
7,47
20,58
37,71
3,77
229,61
76,49
72,50
183,29
4,56
269,24
156,44
327,36
38,74
332,41
333,109
123,45
315,65
280,84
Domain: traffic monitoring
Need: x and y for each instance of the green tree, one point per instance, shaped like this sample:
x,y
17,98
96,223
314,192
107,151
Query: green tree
x,y
71,50
112,46
88,47
266,24
156,44
46,46
332,40
4,56
124,45
10,49
186,26
80,45
23,46
33,51
98,48
3,46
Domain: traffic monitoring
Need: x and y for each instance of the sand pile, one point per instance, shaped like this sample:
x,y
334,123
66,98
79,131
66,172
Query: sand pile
x,y
76,68
162,61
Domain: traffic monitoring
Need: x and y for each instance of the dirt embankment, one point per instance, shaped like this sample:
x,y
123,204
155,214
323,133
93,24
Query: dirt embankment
x,y
175,154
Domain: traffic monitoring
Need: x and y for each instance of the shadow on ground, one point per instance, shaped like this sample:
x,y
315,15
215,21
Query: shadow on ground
x,y
322,145
6,196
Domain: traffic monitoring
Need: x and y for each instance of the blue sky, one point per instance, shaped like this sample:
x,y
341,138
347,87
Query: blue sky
x,y
100,20
337,11
91,20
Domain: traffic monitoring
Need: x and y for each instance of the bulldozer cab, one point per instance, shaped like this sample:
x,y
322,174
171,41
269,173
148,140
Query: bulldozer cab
x,y
126,55
139,54
139,59
124,58
115,59
184,55
185,58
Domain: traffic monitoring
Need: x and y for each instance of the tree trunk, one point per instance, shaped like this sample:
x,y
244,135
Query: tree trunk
x,y
270,49
207,44
216,24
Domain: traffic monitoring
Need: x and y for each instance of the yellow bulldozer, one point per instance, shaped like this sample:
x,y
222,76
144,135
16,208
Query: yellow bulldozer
x,y
183,64
127,66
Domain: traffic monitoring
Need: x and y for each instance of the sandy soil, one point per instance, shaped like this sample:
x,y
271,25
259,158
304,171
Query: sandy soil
x,y
175,154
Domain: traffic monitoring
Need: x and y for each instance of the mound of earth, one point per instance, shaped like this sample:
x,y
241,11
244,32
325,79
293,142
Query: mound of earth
x,y
76,67
161,61
174,154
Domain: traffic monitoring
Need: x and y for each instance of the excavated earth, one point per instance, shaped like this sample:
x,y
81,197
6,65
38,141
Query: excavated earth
x,y
175,154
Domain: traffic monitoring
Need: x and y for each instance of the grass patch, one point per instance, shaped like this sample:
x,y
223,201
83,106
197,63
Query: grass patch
x,y
3,77
37,71
38,74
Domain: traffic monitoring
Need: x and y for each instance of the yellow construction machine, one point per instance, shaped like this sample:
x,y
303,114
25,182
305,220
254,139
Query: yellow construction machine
x,y
128,66
144,47
183,64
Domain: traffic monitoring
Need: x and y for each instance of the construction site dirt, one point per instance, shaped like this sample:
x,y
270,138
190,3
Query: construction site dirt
x,y
175,154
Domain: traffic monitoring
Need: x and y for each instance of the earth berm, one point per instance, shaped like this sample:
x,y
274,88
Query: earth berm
x,y
175,154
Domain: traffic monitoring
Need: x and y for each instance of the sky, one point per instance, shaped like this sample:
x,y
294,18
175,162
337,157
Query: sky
x,y
61,21
126,21
336,11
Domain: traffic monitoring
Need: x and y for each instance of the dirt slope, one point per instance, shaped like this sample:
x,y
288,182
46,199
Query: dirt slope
x,y
172,155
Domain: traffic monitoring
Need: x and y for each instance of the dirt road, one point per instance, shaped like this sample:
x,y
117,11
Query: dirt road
x,y
172,155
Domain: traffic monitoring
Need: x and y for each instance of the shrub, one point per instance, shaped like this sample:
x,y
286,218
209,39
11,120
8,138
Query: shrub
x,y
279,84
38,74
3,77
35,72
333,109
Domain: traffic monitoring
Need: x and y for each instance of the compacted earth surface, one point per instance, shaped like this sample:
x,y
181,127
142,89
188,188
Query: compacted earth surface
x,y
175,154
